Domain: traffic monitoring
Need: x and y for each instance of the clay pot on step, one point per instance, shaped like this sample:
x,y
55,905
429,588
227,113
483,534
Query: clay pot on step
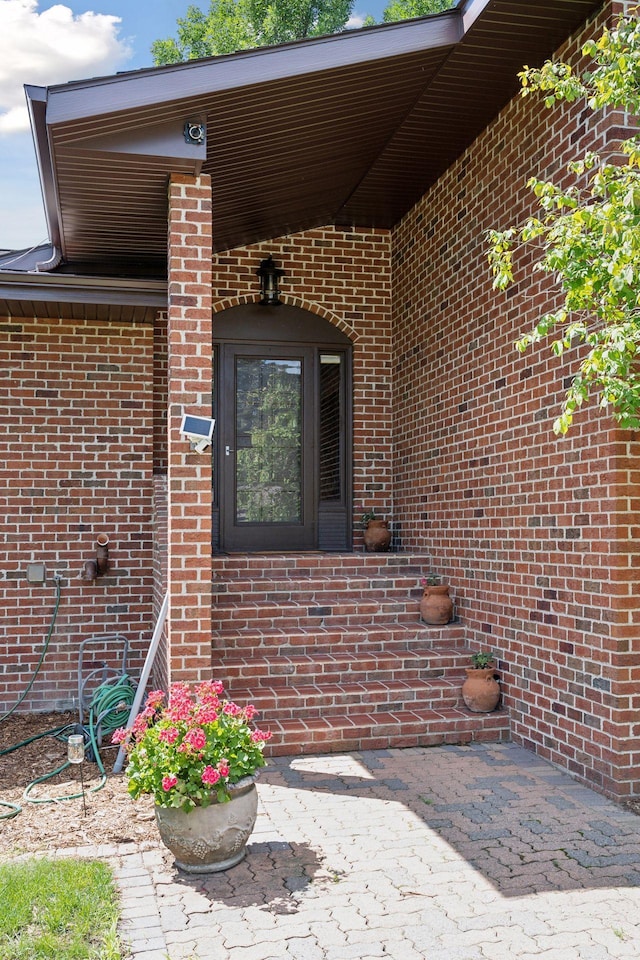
x,y
481,690
436,606
377,536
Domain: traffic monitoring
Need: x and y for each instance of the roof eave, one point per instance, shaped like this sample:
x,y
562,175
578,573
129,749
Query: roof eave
x,y
134,89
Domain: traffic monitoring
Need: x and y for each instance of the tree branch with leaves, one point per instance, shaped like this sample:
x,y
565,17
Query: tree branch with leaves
x,y
587,236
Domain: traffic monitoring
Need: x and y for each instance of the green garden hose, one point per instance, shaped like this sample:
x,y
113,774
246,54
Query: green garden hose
x,y
109,709
42,655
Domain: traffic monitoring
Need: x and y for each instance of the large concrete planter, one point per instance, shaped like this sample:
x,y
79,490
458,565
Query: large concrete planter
x,y
214,838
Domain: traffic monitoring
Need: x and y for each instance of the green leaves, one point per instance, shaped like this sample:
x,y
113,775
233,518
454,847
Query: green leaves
x,y
588,238
232,25
404,9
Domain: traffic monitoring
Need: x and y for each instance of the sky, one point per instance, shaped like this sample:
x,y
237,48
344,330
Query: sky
x,y
45,43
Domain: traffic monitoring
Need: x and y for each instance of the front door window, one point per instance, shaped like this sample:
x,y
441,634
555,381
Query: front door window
x,y
268,440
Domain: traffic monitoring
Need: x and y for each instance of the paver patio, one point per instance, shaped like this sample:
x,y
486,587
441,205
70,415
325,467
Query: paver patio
x,y
481,852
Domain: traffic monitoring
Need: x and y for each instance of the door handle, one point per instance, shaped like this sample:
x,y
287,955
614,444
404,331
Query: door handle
x,y
227,451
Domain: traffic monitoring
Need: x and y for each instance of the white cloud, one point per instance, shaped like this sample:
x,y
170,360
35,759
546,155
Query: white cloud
x,y
51,47
355,22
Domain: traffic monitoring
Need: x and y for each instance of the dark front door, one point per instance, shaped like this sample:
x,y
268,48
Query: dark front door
x,y
282,460
269,448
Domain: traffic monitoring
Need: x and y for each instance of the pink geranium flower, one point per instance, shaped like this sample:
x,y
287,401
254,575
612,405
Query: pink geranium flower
x,y
208,743
196,738
169,735
261,736
210,776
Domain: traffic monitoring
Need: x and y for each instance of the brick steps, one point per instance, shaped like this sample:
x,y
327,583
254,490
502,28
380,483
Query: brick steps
x,y
389,664
249,643
331,650
274,566
292,616
321,590
334,699
370,731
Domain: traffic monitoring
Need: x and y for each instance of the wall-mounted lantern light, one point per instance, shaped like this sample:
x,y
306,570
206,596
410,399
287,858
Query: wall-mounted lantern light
x,y
269,275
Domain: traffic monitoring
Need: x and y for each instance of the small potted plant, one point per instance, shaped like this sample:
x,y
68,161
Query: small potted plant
x,y
481,690
436,606
377,535
197,754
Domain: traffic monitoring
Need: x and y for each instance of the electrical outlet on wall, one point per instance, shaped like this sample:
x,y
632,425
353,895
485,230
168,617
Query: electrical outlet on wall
x,y
36,572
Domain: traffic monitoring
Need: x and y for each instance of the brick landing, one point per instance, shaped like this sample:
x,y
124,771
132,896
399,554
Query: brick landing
x,y
331,649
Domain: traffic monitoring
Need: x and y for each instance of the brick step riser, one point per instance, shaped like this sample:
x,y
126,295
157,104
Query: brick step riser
x,y
426,667
288,650
339,617
327,565
320,673
351,643
271,712
387,637
486,728
318,593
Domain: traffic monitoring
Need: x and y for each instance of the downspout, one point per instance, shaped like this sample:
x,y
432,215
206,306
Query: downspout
x,y
37,105
44,266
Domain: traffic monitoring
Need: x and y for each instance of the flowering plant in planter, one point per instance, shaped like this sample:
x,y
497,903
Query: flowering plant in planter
x,y
432,580
188,748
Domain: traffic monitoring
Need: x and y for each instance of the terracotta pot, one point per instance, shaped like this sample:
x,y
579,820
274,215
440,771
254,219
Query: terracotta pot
x,y
481,690
377,536
436,606
211,839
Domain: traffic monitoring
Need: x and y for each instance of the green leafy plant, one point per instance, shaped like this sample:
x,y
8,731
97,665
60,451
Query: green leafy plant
x,y
366,517
482,659
587,237
67,909
431,580
185,750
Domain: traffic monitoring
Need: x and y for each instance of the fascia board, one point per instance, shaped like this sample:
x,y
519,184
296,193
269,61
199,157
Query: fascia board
x,y
471,10
132,90
69,289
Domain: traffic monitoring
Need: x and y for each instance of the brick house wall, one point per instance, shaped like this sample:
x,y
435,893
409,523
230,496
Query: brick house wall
x,y
534,533
75,408
452,439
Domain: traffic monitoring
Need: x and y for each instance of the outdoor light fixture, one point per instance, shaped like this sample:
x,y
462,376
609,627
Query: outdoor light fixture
x,y
269,275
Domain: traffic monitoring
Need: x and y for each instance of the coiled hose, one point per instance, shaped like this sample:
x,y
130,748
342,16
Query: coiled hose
x,y
109,709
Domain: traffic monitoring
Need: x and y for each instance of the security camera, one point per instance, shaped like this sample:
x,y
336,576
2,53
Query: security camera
x,y
199,430
195,132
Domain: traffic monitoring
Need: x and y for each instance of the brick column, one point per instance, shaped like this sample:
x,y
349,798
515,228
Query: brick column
x,y
189,390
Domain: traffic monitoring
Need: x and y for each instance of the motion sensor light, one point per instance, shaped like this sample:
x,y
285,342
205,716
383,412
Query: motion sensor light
x,y
199,430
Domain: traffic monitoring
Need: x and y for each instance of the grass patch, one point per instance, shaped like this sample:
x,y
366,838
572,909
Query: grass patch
x,y
58,910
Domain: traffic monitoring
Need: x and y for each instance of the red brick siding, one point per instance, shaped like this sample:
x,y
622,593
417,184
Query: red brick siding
x,y
532,532
75,411
344,276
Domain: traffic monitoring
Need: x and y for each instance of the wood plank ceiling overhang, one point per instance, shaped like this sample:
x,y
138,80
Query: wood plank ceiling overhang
x,y
349,129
